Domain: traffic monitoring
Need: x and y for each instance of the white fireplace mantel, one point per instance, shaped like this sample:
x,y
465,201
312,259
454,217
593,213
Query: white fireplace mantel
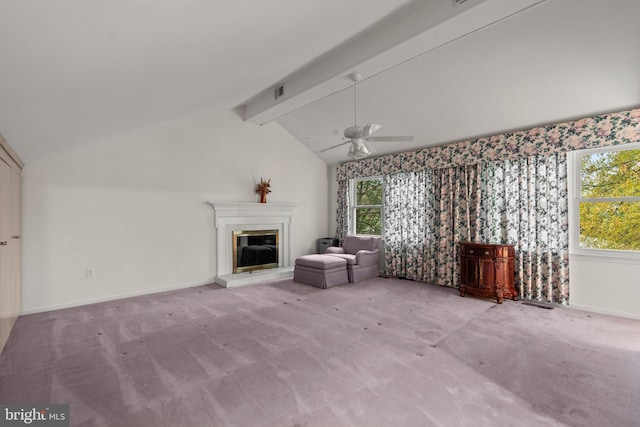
x,y
234,216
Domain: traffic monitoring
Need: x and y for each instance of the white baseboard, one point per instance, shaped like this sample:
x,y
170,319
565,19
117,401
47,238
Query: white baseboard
x,y
603,311
79,303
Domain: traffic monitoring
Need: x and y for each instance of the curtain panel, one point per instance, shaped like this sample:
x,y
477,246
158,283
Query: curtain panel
x,y
342,211
408,230
458,196
426,214
525,203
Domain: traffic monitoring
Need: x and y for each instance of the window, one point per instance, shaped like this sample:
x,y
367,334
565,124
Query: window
x,y
606,202
366,206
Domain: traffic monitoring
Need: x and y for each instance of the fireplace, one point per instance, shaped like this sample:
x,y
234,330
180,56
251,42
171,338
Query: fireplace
x,y
244,221
255,250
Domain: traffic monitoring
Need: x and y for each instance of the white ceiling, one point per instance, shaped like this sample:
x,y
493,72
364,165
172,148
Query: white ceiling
x,y
79,71
76,72
559,60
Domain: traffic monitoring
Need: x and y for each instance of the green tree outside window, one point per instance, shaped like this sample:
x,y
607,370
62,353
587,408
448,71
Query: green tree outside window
x,y
368,206
610,200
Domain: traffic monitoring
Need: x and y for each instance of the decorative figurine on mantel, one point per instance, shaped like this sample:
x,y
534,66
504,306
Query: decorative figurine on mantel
x,y
263,189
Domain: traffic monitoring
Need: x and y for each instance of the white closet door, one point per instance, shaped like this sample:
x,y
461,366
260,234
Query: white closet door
x,y
7,289
15,240
10,250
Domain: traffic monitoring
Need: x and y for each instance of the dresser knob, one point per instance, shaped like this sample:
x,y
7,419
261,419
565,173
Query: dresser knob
x,y
3,243
470,251
486,252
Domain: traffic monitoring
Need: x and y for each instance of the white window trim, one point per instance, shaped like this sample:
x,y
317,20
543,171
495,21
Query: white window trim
x,y
353,205
574,187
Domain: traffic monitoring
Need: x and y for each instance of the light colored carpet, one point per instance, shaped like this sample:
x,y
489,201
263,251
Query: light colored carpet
x,y
383,352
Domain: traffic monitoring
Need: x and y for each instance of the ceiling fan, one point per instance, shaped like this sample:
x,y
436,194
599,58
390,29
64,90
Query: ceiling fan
x,y
360,137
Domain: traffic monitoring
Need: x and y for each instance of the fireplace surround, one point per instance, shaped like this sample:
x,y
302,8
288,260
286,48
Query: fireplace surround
x,y
248,217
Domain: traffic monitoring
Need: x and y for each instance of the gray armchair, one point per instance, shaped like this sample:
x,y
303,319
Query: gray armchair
x,y
361,254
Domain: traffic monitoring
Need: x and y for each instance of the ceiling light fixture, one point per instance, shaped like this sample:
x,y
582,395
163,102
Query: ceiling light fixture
x,y
360,149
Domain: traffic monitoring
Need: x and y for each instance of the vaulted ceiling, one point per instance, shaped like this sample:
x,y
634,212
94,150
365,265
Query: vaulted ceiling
x,y
553,61
79,72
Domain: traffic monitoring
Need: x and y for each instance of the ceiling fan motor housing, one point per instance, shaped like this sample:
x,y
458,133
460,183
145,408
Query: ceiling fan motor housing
x,y
353,132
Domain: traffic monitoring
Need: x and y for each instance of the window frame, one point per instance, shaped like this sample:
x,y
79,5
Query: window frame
x,y
353,206
574,169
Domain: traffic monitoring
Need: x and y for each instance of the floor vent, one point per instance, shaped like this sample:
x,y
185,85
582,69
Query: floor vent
x,y
538,304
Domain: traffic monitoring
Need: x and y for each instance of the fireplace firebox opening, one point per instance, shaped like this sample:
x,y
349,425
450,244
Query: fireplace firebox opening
x,y
255,250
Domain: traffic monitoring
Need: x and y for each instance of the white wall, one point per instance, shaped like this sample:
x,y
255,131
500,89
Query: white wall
x,y
134,209
604,285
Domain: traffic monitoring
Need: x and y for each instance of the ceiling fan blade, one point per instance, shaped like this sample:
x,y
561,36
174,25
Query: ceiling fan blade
x,y
325,138
332,147
369,129
390,138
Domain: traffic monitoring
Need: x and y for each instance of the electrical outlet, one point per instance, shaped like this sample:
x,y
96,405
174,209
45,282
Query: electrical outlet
x,y
90,273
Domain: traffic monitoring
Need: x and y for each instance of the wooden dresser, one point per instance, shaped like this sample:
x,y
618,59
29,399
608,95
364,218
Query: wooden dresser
x,y
487,270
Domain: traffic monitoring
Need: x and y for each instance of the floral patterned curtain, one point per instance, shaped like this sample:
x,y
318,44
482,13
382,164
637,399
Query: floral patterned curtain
x,y
525,202
342,211
455,215
408,229
426,214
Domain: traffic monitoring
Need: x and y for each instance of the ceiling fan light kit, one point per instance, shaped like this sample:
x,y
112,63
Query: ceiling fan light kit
x,y
360,137
360,149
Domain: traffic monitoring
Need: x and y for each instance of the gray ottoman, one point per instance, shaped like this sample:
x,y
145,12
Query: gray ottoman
x,y
323,271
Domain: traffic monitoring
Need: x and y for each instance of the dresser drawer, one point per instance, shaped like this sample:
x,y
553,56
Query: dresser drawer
x,y
479,251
